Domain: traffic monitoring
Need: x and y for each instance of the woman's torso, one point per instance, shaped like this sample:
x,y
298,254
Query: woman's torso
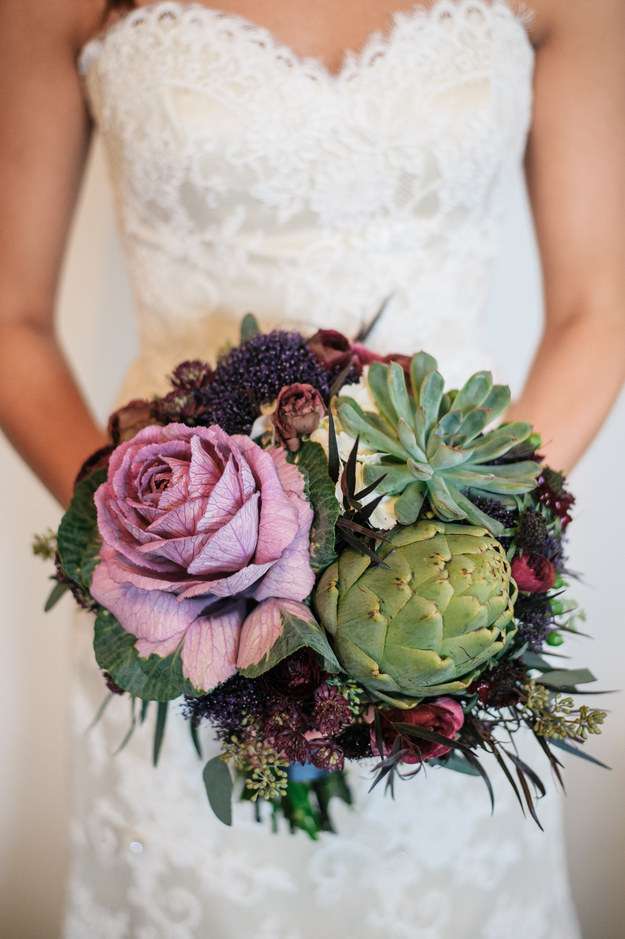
x,y
247,178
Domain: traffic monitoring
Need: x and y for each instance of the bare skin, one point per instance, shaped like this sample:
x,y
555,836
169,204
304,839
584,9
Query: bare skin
x,y
575,169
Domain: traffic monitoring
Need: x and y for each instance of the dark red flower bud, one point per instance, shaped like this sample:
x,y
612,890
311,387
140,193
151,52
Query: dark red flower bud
x,y
299,409
443,716
129,420
533,573
332,348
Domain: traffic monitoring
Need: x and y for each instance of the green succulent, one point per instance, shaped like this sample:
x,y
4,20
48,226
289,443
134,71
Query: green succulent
x,y
427,620
432,444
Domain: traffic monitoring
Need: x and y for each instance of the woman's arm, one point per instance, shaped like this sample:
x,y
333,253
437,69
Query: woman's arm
x,y
576,177
44,136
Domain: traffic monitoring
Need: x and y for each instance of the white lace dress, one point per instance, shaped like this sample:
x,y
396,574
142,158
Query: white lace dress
x,y
247,178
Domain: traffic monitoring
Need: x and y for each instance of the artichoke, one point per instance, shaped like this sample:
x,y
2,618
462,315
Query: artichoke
x,y
432,444
427,620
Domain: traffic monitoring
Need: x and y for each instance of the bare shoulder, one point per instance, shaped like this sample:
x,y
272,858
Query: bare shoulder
x,y
53,23
552,18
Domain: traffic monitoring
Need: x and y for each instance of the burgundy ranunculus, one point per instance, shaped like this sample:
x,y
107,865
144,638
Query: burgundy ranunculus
x,y
533,573
332,348
299,409
196,523
129,420
443,716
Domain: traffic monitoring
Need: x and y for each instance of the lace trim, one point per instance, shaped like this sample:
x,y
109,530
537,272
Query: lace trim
x,y
167,14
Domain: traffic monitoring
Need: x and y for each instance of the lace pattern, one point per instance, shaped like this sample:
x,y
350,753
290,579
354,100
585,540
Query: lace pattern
x,y
247,178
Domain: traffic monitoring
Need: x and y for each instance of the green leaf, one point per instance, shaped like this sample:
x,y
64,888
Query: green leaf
x,y
249,327
432,390
473,392
355,423
218,785
410,503
321,491
396,477
498,442
151,679
159,731
78,538
567,678
296,634
420,366
59,590
457,763
577,751
378,386
398,393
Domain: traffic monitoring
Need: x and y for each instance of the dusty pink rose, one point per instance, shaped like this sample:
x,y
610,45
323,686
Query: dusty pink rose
x,y
299,409
195,524
444,716
533,573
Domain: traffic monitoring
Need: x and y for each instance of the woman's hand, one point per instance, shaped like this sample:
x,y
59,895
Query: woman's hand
x,y
576,177
44,134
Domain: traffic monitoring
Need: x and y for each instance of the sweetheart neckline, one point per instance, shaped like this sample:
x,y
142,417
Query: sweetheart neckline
x,y
377,43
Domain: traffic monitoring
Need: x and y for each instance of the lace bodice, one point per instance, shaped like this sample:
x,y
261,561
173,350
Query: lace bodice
x,y
247,178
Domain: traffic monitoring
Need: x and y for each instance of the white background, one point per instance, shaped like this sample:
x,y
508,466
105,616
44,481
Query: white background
x,y
95,321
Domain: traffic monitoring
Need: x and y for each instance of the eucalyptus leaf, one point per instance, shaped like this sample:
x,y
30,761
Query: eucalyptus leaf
x,y
58,591
218,784
249,327
567,678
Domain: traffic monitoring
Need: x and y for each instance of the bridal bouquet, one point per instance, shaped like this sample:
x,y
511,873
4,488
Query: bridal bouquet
x,y
329,557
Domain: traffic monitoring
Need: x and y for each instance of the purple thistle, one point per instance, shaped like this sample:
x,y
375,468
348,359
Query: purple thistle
x,y
253,374
332,713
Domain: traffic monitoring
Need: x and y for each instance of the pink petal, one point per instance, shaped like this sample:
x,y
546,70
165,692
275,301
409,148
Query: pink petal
x,y
204,470
292,577
210,647
232,547
236,583
224,501
278,517
263,627
156,616
181,520
165,647
180,551
291,478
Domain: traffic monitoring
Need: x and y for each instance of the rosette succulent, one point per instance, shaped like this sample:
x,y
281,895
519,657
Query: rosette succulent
x,y
196,526
428,620
433,446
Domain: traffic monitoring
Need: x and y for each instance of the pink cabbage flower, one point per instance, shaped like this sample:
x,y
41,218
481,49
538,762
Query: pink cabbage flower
x,y
195,524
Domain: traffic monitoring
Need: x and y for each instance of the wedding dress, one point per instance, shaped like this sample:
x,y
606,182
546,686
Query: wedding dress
x,y
249,179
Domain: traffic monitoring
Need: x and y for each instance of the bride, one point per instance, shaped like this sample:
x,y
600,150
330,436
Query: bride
x,y
260,164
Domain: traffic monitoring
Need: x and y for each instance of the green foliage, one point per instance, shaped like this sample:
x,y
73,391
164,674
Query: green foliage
x,y
312,461
218,785
296,634
78,537
249,327
152,679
